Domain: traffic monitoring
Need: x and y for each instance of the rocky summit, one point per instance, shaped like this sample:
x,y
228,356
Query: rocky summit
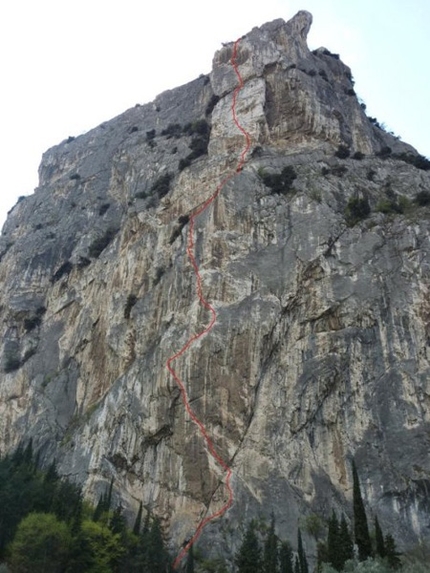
x,y
316,258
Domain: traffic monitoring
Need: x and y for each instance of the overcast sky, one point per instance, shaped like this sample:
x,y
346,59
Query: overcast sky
x,y
68,66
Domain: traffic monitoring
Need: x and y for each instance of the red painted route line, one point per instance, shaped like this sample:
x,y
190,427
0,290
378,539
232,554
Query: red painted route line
x,y
191,256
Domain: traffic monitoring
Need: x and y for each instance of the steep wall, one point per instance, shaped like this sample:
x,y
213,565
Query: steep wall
x,y
321,347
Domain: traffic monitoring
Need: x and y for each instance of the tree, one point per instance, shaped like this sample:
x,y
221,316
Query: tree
x,y
285,558
157,558
346,546
103,549
392,555
322,555
361,530
379,539
303,562
248,558
333,542
138,521
270,553
41,545
190,561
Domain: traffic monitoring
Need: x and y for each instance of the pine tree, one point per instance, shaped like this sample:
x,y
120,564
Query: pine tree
x,y
361,530
138,521
286,558
303,562
270,554
248,558
379,539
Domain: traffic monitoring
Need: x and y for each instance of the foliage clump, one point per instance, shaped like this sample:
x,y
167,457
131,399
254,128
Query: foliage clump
x,y
47,527
342,152
280,183
200,133
356,210
100,243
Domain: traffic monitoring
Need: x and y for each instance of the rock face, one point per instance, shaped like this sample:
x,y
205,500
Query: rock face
x,y
321,348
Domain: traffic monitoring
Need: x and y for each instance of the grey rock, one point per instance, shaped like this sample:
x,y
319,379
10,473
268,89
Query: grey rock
x,y
320,352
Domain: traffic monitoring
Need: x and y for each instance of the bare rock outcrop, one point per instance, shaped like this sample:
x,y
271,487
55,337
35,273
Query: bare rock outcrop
x,y
320,352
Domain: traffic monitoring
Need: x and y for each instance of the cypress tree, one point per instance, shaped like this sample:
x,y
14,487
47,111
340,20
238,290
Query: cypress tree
x,y
333,545
379,539
99,508
303,562
117,523
286,558
138,520
156,554
248,558
108,499
361,530
346,546
391,552
270,554
190,561
322,555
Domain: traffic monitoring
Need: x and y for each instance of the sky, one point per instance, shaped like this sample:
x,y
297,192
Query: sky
x,y
67,66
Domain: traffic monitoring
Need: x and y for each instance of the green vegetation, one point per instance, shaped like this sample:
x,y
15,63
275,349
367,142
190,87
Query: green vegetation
x,y
100,243
172,130
162,185
64,269
131,301
422,198
418,161
342,152
393,204
46,527
200,132
279,183
356,210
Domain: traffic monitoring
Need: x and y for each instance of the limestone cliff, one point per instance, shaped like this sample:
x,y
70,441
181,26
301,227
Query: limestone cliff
x,y
321,348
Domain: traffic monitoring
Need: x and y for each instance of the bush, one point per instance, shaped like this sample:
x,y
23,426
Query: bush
x,y
357,209
172,130
384,152
358,155
183,163
131,301
64,269
212,103
342,152
422,198
12,362
150,135
418,161
103,208
393,205
32,322
100,243
280,183
162,185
